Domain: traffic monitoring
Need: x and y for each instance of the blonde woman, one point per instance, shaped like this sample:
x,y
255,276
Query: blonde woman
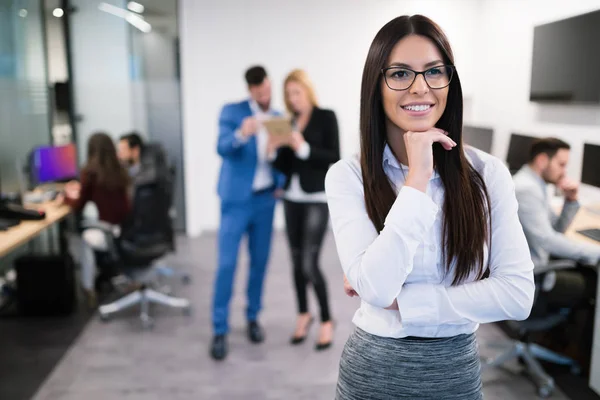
x,y
314,146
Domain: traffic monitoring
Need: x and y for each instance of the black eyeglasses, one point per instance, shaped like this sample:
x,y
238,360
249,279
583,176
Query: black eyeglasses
x,y
400,78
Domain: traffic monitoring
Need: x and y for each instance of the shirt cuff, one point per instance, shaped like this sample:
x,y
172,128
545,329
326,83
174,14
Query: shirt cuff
x,y
303,152
239,138
571,204
412,214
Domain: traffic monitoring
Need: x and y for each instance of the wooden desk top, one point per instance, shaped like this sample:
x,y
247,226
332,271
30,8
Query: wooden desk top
x,y
27,230
585,219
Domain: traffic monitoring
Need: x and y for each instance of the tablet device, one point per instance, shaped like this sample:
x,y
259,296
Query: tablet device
x,y
280,127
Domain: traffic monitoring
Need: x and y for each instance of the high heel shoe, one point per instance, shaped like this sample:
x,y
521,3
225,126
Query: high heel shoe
x,y
324,346
300,339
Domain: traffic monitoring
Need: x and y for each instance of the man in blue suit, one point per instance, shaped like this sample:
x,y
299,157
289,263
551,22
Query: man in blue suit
x,y
247,187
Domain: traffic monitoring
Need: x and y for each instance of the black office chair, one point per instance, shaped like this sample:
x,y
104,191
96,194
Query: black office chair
x,y
541,319
145,237
166,270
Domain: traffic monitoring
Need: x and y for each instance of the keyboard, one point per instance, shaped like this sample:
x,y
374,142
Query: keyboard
x,y
591,233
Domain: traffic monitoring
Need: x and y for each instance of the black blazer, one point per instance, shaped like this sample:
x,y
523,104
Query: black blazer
x,y
321,133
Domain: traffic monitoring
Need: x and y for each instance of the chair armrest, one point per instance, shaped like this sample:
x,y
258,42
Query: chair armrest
x,y
555,265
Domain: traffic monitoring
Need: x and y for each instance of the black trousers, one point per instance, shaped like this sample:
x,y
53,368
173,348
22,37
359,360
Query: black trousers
x,y
306,224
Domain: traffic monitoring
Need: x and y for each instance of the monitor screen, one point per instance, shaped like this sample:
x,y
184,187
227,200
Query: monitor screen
x,y
566,61
590,168
54,164
478,137
519,150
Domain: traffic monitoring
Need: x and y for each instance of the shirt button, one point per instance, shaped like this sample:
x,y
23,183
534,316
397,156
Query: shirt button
x,y
432,247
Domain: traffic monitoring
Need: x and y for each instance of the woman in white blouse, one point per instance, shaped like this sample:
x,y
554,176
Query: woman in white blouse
x,y
427,231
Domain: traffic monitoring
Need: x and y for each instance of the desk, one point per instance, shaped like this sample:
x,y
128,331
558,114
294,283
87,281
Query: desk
x,y
27,230
583,220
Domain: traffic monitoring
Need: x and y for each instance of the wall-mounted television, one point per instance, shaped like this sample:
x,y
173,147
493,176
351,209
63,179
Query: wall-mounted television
x,y
566,61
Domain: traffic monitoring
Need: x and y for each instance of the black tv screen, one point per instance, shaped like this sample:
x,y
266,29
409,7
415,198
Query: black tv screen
x,y
566,61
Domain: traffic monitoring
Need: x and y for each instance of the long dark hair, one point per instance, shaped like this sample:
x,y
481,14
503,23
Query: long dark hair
x,y
466,224
102,162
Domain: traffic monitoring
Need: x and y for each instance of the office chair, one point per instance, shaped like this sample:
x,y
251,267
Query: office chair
x,y
540,320
145,237
165,270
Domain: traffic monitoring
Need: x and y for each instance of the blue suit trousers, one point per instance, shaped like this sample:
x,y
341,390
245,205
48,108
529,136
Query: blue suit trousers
x,y
253,218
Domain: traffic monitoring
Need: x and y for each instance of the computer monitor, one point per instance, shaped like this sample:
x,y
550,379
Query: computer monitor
x,y
49,164
519,151
478,137
590,168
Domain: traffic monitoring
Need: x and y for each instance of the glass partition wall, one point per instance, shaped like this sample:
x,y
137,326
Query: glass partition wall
x,y
69,68
24,100
124,71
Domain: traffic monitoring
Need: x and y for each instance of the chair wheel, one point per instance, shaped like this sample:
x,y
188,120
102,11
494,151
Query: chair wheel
x,y
186,279
545,391
575,370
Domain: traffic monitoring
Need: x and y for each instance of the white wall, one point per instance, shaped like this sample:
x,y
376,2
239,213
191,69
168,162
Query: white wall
x,y
502,70
220,39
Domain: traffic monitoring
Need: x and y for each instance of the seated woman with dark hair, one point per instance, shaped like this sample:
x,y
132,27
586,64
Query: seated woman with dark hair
x,y
105,183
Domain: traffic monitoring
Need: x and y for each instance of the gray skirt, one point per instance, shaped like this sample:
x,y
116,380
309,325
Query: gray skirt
x,y
373,368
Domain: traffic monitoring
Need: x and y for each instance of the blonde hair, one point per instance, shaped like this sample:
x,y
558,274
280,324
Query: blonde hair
x,y
301,77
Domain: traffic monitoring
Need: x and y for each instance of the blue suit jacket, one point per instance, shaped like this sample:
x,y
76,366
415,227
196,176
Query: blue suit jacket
x,y
239,159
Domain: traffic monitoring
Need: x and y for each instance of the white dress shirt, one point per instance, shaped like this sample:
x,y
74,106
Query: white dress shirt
x,y
404,262
294,192
263,176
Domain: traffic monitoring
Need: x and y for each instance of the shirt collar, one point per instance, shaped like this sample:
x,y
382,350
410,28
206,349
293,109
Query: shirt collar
x,y
255,108
390,160
535,176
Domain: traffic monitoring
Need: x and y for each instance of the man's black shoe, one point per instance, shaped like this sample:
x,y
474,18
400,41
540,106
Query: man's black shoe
x,y
218,349
255,332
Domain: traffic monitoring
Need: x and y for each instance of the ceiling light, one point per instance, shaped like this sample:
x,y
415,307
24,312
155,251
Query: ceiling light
x,y
58,12
138,22
134,19
22,13
135,7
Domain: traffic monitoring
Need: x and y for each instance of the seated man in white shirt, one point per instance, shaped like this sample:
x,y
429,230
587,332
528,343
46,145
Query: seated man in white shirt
x,y
544,229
